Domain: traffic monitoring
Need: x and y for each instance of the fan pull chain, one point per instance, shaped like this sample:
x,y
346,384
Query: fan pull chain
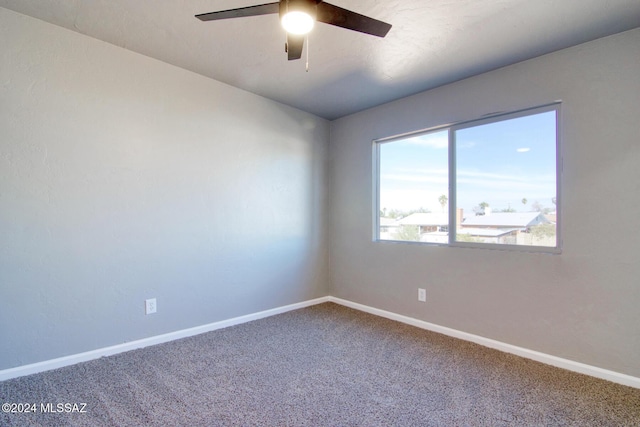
x,y
306,42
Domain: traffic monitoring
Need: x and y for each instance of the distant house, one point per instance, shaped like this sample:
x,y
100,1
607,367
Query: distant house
x,y
502,220
490,235
552,217
427,222
501,227
388,226
432,227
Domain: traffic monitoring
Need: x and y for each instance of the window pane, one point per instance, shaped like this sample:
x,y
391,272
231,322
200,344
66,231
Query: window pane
x,y
413,188
506,181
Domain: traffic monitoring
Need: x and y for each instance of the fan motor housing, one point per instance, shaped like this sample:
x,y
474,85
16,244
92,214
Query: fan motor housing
x,y
307,6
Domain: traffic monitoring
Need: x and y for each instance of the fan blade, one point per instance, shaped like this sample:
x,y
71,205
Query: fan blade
x,y
334,15
261,9
294,46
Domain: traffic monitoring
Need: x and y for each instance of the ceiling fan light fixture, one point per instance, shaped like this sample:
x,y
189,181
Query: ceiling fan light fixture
x,y
297,22
298,18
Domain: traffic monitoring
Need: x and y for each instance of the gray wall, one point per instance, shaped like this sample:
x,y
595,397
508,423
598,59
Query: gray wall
x,y
583,305
124,178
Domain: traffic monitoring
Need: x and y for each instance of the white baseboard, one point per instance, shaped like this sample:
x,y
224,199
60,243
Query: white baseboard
x,y
548,359
60,362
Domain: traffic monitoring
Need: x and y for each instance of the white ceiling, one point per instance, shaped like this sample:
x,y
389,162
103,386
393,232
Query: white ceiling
x,y
431,43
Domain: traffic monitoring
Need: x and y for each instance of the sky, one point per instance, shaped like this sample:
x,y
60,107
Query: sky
x,y
499,163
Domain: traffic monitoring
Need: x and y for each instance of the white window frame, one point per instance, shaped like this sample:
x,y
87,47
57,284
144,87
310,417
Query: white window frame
x,y
452,128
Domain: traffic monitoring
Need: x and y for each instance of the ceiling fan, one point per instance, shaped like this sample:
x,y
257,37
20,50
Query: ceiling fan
x,y
299,16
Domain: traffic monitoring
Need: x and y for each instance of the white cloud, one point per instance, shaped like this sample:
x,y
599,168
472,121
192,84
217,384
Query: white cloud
x,y
523,150
506,183
435,179
491,176
410,199
422,171
437,140
467,144
410,188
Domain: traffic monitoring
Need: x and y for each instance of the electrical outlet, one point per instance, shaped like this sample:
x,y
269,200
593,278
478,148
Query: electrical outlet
x,y
422,295
150,306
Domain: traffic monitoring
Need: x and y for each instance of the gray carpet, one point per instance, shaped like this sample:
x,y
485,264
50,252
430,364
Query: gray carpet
x,y
325,365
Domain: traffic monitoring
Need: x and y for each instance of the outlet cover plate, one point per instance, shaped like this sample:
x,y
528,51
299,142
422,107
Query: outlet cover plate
x,y
150,306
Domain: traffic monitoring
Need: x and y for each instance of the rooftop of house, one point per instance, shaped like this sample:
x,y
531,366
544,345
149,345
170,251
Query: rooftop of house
x,y
388,222
505,219
486,232
425,219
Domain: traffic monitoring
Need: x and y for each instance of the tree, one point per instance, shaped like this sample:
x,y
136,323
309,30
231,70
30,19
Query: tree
x,y
409,233
542,231
524,201
467,238
481,208
537,206
443,201
394,213
404,214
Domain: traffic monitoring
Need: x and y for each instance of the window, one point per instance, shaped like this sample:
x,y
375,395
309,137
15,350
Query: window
x,y
491,182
